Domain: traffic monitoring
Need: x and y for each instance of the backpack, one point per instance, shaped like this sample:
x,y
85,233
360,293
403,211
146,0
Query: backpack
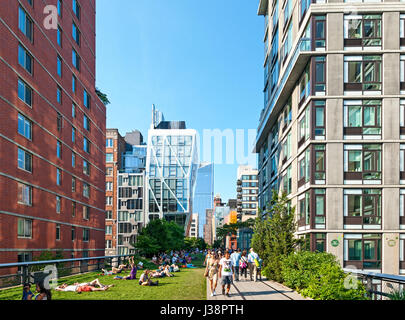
x,y
257,263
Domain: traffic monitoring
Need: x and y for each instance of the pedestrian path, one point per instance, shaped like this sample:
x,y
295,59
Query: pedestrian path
x,y
260,290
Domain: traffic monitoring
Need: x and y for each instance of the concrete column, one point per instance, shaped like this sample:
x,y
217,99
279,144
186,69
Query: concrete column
x,y
334,74
334,208
390,30
334,119
390,214
390,253
334,36
390,119
335,250
390,163
391,73
334,163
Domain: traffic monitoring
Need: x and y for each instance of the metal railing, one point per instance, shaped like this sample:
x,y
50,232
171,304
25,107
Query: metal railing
x,y
380,286
30,272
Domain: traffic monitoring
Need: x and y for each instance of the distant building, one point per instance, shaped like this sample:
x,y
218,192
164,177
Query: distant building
x,y
204,194
208,227
194,226
171,168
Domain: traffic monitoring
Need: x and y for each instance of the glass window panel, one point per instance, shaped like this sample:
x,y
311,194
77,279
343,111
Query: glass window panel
x,y
355,161
354,205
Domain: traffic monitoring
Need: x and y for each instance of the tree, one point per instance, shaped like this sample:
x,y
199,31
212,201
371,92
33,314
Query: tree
x,y
158,236
273,237
103,97
232,229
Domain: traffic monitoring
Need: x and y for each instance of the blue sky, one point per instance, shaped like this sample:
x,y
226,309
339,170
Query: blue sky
x,y
198,61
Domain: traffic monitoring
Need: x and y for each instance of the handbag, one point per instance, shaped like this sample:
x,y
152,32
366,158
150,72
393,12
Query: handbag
x,y
206,272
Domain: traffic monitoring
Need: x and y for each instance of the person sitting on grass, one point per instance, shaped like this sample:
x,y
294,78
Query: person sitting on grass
x,y
94,285
114,270
43,294
145,281
132,275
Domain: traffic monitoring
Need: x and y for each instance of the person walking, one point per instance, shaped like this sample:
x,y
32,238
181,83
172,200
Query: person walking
x,y
252,258
235,257
243,264
225,273
211,272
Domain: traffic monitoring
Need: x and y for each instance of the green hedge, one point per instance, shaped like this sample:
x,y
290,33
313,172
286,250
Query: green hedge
x,y
319,276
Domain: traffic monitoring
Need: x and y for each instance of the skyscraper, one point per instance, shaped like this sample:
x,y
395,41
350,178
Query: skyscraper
x,y
332,128
171,168
204,194
52,133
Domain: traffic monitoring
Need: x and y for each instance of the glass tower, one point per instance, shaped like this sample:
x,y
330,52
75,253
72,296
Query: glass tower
x,y
204,194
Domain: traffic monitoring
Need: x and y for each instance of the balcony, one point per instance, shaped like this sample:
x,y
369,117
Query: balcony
x,y
291,75
239,182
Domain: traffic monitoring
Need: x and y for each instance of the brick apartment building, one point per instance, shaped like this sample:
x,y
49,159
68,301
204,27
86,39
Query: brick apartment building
x,y
52,133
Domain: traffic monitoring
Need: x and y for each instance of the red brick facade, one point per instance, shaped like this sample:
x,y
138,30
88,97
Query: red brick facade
x,y
43,115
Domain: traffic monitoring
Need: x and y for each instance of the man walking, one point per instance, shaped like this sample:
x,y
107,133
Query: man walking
x,y
235,257
225,273
252,257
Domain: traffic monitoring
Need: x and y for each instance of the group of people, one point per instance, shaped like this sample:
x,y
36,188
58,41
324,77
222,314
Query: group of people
x,y
229,267
172,258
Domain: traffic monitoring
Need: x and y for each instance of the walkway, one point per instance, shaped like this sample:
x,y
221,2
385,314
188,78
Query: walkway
x,y
260,290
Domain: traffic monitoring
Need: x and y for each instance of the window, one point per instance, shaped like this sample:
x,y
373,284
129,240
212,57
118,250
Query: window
x,y
320,208
320,242
24,160
59,95
24,126
362,118
59,66
402,30
24,194
362,208
108,230
73,111
304,168
25,23
402,73
320,75
304,6
109,143
86,213
319,126
304,201
58,177
73,160
363,73
304,85
86,99
109,186
304,127
109,157
86,235
288,9
73,184
59,121
58,149
25,228
287,44
73,209
108,215
287,114
58,204
108,201
109,172
402,253
86,167
286,147
362,251
320,163
319,24
76,8
58,232
108,244
24,59
59,37
59,7
76,34
73,234
86,190
24,92
74,80
86,145
362,31
86,123
73,134
75,60
287,181
362,162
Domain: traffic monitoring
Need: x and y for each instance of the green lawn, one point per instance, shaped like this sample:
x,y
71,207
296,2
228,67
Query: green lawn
x,y
188,284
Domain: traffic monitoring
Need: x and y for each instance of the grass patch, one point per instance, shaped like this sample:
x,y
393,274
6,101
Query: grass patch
x,y
188,284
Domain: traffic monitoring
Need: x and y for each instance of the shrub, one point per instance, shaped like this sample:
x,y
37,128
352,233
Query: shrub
x,y
319,276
